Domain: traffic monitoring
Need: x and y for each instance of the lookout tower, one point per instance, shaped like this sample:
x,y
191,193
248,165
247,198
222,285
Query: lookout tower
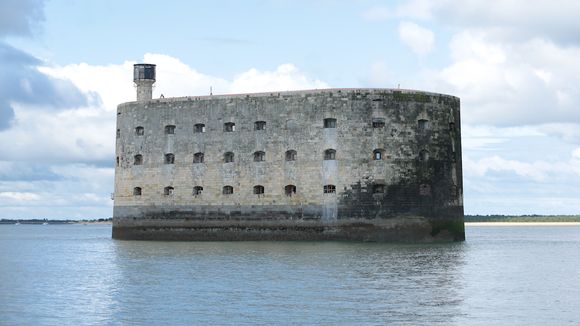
x,y
144,78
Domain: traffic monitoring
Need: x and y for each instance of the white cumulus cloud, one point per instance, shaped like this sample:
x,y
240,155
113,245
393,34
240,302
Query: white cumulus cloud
x,y
419,39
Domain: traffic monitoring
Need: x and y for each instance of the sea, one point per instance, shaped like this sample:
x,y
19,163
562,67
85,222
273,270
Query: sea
x,y
78,275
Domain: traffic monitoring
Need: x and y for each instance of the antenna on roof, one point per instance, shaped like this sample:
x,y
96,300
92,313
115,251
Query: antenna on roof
x,y
210,91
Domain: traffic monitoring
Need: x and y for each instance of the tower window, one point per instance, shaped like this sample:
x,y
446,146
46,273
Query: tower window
x,y
169,158
259,156
168,191
169,129
423,124
117,161
451,126
378,123
291,155
228,157
330,154
378,154
329,123
424,155
329,189
290,190
260,125
229,127
138,159
137,191
118,133
258,190
197,190
198,158
200,127
139,131
228,190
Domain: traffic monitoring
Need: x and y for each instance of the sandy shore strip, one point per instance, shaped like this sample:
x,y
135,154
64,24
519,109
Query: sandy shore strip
x,y
522,223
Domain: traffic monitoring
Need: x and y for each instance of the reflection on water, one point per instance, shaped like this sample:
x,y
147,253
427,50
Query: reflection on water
x,y
79,275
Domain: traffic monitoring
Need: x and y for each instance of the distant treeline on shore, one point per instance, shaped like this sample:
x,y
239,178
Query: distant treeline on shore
x,y
522,218
49,221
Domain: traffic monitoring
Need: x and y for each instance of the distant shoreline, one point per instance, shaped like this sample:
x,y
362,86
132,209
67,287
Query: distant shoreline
x,y
522,223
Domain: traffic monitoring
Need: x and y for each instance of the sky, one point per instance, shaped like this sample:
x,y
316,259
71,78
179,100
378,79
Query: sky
x,y
65,65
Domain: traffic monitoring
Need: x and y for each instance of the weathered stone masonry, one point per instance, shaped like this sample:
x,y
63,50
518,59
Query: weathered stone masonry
x,y
336,164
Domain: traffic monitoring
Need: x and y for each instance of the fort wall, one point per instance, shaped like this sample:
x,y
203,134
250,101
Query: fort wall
x,y
336,164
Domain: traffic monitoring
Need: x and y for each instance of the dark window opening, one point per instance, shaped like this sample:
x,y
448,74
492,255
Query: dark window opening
x,y
138,159
424,155
228,157
228,190
200,127
169,158
260,125
229,127
291,155
330,154
197,190
378,123
198,158
290,190
117,161
137,191
168,191
329,189
423,124
329,123
169,129
259,156
139,131
452,126
424,189
258,190
118,133
378,154
378,189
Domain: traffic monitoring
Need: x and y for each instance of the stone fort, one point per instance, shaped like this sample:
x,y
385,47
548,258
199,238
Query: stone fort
x,y
330,164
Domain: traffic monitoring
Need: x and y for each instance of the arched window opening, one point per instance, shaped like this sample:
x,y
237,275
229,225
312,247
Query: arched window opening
x,y
423,124
137,191
378,123
259,156
424,155
197,190
260,125
329,123
169,158
118,133
229,127
379,154
330,154
199,127
329,189
378,189
291,155
228,157
169,129
228,190
138,159
258,190
198,157
424,189
168,191
290,190
139,131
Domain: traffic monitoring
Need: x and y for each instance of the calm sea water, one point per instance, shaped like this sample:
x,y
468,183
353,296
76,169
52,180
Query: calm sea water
x,y
78,275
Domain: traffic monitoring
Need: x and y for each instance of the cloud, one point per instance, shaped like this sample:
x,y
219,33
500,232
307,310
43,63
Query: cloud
x,y
285,77
509,20
419,39
20,17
